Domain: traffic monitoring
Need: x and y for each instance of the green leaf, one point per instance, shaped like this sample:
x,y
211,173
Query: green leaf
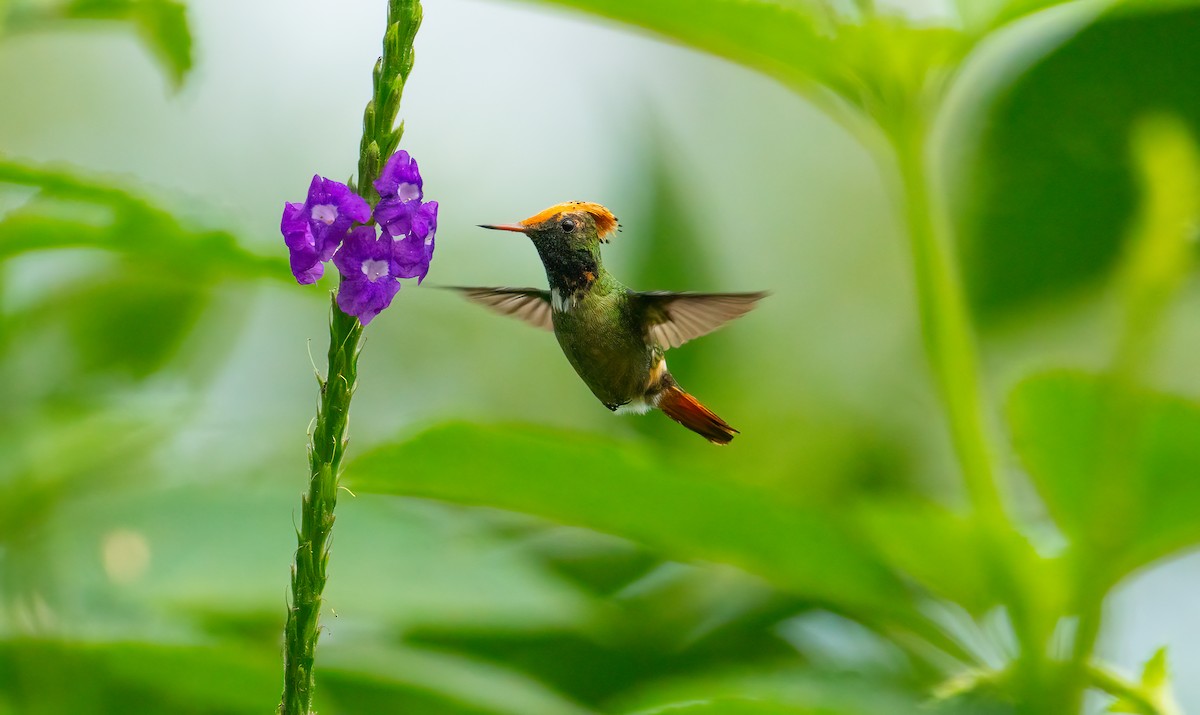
x,y
1154,674
982,16
1051,191
129,316
71,211
805,690
1115,465
366,678
1161,250
736,706
615,488
939,549
1155,695
676,620
132,324
881,64
48,676
162,24
780,40
74,677
953,555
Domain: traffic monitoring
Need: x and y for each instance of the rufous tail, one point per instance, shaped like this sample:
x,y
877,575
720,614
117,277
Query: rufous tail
x,y
687,411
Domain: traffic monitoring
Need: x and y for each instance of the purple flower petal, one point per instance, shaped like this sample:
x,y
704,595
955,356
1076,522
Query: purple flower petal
x,y
294,220
414,251
394,216
349,205
360,246
314,229
400,178
371,264
366,299
368,274
306,267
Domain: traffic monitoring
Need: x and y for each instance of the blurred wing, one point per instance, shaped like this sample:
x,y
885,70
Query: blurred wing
x,y
528,304
676,318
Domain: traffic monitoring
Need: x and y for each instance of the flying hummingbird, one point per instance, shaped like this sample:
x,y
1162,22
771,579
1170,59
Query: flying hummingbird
x,y
614,337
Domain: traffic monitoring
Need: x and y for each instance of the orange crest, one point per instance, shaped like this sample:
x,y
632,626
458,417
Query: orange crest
x,y
606,223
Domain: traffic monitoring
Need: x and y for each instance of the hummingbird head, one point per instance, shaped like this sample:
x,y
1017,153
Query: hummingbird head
x,y
573,223
568,237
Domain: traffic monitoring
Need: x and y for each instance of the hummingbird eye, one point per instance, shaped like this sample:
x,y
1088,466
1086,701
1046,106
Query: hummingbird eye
x,y
567,225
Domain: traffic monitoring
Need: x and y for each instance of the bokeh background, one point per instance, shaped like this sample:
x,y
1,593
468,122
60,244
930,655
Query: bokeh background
x,y
155,406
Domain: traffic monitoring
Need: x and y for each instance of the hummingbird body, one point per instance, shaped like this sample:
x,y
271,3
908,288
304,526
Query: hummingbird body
x,y
614,337
604,341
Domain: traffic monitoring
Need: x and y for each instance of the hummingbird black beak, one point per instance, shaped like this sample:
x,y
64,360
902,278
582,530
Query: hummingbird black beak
x,y
505,227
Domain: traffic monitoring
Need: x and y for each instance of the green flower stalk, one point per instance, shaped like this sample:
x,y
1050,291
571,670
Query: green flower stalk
x,y
328,444
323,228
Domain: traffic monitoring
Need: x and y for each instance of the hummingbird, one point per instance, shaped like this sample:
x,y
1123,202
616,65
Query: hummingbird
x,y
613,336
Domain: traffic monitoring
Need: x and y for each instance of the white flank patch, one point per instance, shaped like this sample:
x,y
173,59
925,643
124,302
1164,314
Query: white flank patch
x,y
559,302
633,407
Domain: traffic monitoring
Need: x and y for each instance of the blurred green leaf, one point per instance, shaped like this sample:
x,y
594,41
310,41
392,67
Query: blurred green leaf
x,y
49,676
782,40
128,315
420,681
983,16
737,706
677,620
1155,690
1117,468
618,489
939,549
161,24
70,211
879,63
953,555
1051,191
1161,249
599,564
52,676
131,324
792,691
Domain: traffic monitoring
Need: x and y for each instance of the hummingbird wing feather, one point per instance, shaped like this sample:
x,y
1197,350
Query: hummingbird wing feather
x,y
675,318
528,304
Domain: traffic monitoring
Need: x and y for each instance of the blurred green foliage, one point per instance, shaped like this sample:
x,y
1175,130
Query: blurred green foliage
x,y
161,24
1053,186
501,567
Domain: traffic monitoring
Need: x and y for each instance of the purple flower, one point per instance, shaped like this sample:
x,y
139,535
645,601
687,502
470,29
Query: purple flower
x,y
324,227
400,178
369,273
412,226
314,229
404,217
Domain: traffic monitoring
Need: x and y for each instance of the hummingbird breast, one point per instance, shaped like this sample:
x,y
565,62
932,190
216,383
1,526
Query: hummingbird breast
x,y
606,345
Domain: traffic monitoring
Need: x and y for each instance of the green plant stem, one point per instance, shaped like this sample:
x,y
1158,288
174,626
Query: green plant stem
x,y
950,348
327,444
381,136
945,328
